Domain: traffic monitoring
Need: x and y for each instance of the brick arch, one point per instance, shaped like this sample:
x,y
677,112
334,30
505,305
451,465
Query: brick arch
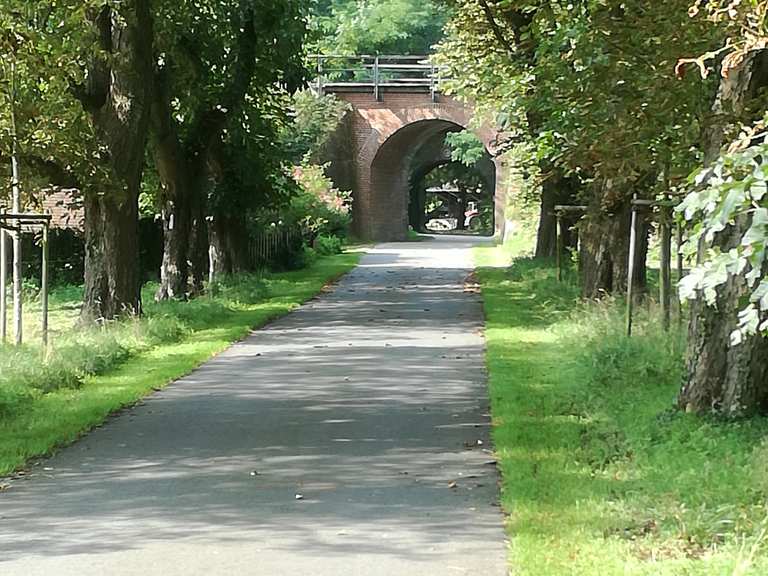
x,y
384,137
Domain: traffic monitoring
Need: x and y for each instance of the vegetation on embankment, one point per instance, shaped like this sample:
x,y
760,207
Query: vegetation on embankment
x,y
601,475
88,374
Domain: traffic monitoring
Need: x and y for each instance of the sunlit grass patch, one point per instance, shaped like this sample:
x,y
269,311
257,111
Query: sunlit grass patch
x,y
600,474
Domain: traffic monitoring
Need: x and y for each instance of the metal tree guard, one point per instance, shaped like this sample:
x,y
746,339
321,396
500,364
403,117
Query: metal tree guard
x,y
15,222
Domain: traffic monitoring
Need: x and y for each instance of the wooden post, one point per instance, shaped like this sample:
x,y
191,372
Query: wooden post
x,y
631,266
44,285
16,207
559,245
376,92
680,271
320,87
665,273
3,285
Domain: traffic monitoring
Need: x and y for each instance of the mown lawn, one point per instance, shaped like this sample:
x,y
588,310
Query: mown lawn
x,y
601,475
49,400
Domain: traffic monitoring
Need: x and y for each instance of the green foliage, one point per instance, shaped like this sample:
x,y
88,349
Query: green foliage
x,y
319,208
732,192
466,147
584,87
315,119
378,26
599,474
326,245
44,49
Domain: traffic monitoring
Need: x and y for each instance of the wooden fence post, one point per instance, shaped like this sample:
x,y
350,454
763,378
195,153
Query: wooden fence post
x,y
3,284
44,285
559,245
320,87
631,265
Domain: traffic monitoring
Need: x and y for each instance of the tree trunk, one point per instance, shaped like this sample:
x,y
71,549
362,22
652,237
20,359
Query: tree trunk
x,y
719,377
198,246
731,380
174,270
175,176
604,254
112,278
555,190
117,97
230,243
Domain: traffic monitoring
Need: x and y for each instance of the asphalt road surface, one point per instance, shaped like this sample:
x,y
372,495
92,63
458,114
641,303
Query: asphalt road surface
x,y
350,438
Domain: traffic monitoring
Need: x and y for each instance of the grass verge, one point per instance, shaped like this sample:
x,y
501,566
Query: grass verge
x,y
600,474
48,403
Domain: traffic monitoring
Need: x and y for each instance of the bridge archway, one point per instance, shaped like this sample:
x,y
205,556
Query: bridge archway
x,y
389,136
399,145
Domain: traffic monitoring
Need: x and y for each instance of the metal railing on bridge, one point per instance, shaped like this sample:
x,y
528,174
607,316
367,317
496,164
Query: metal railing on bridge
x,y
377,74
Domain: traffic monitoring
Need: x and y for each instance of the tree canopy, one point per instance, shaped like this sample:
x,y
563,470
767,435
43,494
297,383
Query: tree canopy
x,y
378,26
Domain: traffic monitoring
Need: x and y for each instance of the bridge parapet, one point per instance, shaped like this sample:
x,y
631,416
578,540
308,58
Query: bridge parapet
x,y
377,74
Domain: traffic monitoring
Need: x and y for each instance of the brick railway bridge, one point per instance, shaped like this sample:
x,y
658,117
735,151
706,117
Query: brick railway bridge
x,y
394,135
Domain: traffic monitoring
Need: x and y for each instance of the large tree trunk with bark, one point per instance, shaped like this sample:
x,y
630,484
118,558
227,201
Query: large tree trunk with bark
x,y
719,377
604,250
175,177
112,277
230,244
555,190
117,97
184,167
174,269
199,244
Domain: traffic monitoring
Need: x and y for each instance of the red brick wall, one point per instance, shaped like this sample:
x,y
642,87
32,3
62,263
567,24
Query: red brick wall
x,y
385,136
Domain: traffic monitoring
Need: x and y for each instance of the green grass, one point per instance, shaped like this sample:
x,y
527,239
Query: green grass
x,y
47,401
601,476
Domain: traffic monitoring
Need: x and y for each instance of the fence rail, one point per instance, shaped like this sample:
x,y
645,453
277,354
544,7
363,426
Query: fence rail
x,y
336,73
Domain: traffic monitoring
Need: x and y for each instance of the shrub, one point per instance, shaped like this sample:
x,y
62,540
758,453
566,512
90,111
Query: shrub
x,y
319,208
328,245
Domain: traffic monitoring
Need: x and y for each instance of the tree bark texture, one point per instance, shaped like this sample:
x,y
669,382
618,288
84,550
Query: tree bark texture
x,y
555,190
118,98
719,377
604,252
183,165
230,242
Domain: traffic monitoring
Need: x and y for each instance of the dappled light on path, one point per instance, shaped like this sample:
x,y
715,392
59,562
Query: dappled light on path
x,y
351,437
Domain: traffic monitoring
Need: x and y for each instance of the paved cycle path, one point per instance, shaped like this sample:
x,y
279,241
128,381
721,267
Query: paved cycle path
x,y
349,438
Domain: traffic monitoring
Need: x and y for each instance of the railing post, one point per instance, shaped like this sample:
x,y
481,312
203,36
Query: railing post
x,y
376,91
680,270
433,83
